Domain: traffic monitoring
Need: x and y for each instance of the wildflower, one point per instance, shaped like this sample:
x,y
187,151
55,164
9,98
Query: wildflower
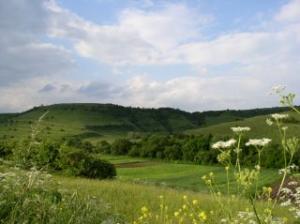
x,y
293,183
195,202
288,169
176,214
144,209
202,216
224,156
279,116
258,142
257,167
282,171
240,129
224,144
286,203
269,189
269,122
184,197
286,190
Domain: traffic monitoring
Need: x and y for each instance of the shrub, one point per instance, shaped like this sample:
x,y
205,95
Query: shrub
x,y
100,169
121,147
77,162
173,152
134,151
103,147
5,149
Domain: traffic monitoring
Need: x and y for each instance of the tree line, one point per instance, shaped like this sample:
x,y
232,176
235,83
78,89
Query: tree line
x,y
188,148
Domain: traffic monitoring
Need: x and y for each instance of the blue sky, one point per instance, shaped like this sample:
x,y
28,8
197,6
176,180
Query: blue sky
x,y
191,54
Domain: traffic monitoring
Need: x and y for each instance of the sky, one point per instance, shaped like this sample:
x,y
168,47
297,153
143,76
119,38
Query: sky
x,y
194,55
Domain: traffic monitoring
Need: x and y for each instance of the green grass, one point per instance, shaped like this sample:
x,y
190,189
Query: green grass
x,y
141,186
175,175
127,199
259,128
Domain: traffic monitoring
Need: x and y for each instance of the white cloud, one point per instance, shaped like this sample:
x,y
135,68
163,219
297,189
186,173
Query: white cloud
x,y
289,12
166,28
23,54
253,61
172,35
139,37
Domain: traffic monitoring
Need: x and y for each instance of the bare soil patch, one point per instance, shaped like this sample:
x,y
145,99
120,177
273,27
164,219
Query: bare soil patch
x,y
135,164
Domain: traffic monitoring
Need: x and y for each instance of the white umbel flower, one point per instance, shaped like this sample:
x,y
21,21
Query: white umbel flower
x,y
279,116
269,122
224,144
240,129
258,142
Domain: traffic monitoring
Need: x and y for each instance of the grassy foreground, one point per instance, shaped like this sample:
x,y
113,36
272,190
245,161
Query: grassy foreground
x,y
127,199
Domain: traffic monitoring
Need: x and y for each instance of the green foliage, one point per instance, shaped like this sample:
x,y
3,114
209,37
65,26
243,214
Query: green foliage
x,y
121,147
67,158
6,148
33,197
95,168
78,163
103,147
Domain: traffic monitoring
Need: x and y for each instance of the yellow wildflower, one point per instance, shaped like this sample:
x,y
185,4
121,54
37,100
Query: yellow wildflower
x,y
202,216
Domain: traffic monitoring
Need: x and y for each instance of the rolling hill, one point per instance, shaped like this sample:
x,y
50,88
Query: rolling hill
x,y
108,121
259,128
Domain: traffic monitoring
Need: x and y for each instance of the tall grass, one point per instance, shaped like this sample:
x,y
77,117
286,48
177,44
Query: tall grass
x,y
34,197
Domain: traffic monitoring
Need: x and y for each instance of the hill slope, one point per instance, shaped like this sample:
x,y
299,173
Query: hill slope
x,y
258,126
108,120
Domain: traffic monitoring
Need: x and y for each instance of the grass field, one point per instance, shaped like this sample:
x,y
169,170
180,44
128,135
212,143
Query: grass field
x,y
124,198
127,199
175,175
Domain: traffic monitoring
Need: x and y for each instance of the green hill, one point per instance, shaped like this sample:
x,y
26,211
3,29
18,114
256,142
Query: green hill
x,y
96,120
258,126
111,121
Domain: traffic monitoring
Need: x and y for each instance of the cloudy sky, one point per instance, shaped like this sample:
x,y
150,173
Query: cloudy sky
x,y
191,54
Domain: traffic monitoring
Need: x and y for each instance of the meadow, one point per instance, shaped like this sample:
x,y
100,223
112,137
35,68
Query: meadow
x,y
144,189
179,176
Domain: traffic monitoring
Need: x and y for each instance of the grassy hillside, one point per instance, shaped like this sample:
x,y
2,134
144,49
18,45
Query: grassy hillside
x,y
258,126
96,121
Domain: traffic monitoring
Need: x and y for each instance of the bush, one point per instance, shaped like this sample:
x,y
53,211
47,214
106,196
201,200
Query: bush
x,y
103,147
121,147
5,149
47,155
78,163
173,152
100,169
134,151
